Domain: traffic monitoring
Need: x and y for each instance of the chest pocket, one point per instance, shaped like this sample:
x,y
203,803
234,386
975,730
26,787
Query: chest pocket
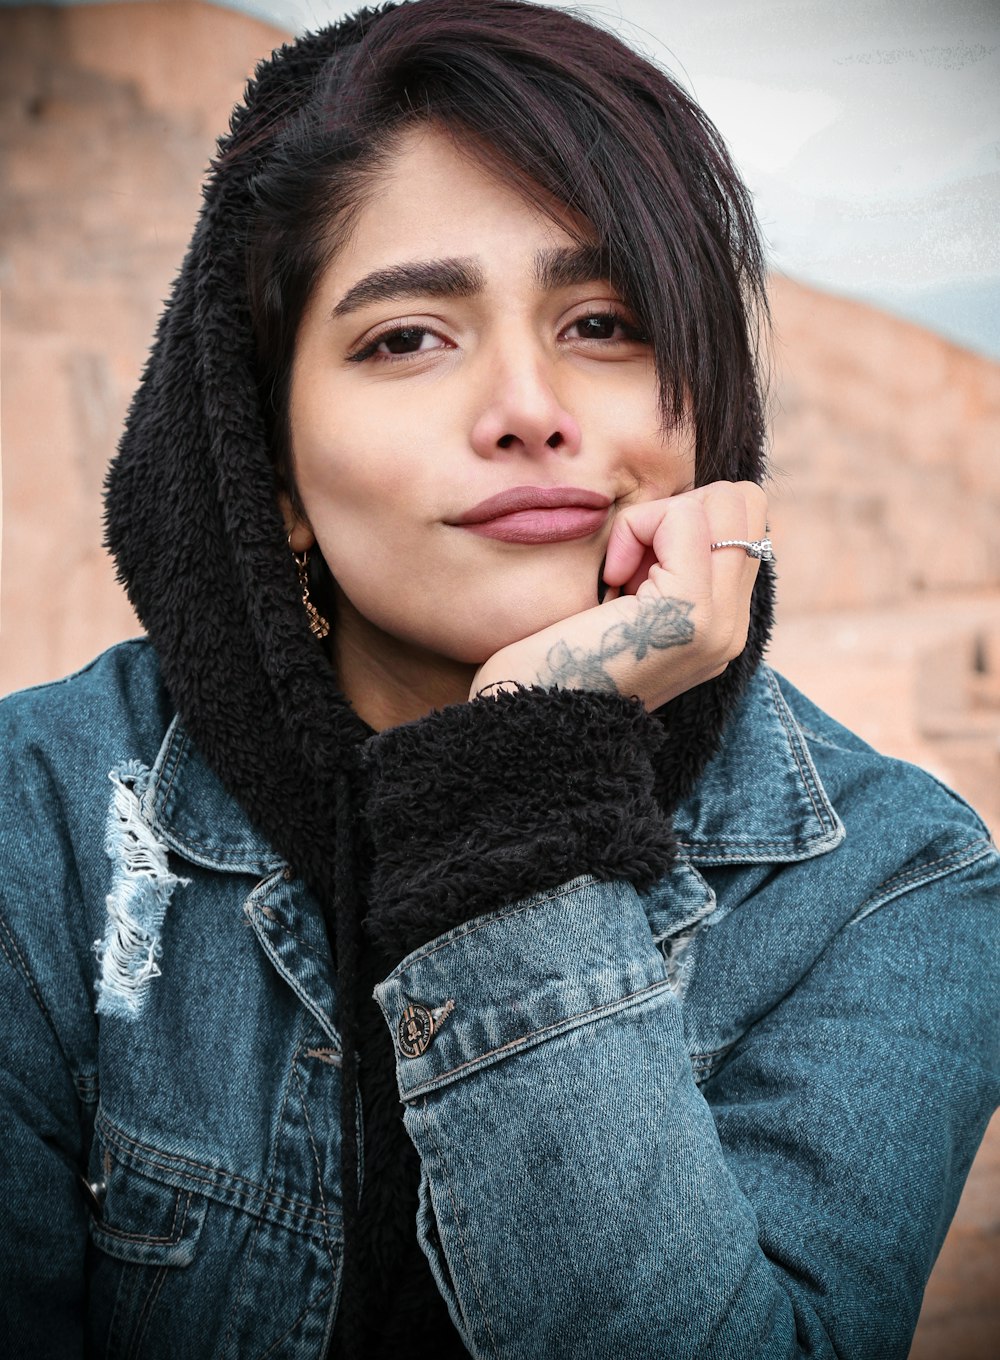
x,y
146,1223
143,1237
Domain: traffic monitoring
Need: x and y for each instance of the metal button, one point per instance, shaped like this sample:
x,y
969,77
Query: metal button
x,y
94,1192
418,1026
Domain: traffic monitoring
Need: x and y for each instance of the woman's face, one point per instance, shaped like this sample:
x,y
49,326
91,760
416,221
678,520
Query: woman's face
x,y
461,345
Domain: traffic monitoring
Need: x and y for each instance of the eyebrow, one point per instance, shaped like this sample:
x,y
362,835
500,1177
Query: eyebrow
x,y
560,267
422,278
566,266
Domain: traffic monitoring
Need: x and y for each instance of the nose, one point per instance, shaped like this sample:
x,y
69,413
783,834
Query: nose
x,y
522,410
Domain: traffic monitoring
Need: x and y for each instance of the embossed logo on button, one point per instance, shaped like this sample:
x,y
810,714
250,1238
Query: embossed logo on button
x,y
418,1026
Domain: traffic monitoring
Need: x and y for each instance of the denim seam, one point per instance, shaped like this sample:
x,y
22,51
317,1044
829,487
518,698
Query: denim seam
x,y
742,845
164,1161
824,741
532,1037
461,1236
312,1303
26,973
24,970
325,1021
172,764
709,1055
852,751
904,881
146,1312
316,1161
273,1159
780,709
324,958
88,1088
255,853
241,1284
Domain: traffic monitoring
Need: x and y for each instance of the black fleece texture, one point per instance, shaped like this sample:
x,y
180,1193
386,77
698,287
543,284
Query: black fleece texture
x,y
510,794
411,831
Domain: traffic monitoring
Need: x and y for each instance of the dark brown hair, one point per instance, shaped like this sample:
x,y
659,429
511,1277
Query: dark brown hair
x,y
572,114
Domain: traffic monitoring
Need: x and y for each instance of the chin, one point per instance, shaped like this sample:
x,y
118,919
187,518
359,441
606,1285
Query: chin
x,y
484,630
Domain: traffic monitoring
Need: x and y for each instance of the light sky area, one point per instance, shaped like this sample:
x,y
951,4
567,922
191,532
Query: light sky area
x,y
868,131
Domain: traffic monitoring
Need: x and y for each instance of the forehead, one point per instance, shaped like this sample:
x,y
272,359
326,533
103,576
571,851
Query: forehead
x,y
435,199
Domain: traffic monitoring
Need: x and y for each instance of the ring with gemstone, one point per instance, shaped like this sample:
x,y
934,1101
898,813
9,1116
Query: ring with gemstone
x,y
757,547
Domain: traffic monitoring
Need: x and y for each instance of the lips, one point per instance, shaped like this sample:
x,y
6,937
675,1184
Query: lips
x,y
538,514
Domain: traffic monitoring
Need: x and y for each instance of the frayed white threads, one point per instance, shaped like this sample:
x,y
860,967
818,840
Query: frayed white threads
x,y
680,960
137,902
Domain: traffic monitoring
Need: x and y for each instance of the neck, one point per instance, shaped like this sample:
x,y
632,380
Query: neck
x,y
387,681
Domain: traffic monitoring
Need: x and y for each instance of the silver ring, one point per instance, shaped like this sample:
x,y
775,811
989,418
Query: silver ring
x,y
758,547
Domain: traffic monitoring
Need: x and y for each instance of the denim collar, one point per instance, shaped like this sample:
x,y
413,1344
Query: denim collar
x,y
759,799
198,817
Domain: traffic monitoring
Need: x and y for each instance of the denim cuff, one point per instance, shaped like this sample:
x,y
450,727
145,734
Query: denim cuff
x,y
572,957
484,803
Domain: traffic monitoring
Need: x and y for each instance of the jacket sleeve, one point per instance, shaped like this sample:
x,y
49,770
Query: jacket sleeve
x,y
582,1197
43,1218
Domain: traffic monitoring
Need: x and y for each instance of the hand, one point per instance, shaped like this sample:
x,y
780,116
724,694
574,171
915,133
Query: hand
x,y
677,612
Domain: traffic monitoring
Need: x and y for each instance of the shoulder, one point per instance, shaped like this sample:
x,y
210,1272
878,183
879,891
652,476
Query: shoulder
x,y
813,846
61,741
904,827
116,701
855,773
791,787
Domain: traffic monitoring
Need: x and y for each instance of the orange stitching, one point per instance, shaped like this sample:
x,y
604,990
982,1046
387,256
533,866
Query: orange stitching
x,y
907,877
174,1236
262,1195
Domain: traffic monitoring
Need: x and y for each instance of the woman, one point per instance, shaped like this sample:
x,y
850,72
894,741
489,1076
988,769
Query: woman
x,y
492,956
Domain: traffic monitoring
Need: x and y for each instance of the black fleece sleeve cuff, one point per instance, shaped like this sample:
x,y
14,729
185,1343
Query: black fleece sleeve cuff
x,y
486,802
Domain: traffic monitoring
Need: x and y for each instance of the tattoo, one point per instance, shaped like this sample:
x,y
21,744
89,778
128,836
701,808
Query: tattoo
x,y
659,624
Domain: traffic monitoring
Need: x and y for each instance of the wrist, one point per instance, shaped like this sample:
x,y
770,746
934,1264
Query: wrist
x,y
493,677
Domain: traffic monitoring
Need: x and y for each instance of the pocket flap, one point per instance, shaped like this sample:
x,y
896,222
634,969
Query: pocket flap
x,y
145,1221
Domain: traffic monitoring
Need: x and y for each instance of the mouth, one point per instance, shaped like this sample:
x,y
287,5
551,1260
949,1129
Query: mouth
x,y
538,514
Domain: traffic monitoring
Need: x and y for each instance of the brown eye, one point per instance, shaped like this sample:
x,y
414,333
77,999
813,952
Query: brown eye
x,y
606,327
406,341
600,327
398,343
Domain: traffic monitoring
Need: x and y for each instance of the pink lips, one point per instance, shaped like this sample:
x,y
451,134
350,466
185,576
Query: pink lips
x,y
538,514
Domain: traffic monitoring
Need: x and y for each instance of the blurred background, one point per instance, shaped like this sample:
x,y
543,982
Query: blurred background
x,y
870,136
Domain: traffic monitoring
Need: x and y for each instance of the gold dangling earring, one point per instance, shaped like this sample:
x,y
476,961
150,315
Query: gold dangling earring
x,y
318,625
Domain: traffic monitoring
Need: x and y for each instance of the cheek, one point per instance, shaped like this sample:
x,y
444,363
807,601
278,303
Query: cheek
x,y
349,481
666,464
627,428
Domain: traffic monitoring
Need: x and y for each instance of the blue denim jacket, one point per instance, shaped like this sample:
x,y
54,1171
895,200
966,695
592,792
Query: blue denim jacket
x,y
727,1118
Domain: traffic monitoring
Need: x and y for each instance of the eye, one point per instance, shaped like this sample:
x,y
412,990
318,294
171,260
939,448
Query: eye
x,y
607,325
397,343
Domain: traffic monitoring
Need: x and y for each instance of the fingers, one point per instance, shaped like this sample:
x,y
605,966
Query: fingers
x,y
667,531
733,572
676,533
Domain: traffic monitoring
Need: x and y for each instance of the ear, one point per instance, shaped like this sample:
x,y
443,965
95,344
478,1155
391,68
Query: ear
x,y
300,535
